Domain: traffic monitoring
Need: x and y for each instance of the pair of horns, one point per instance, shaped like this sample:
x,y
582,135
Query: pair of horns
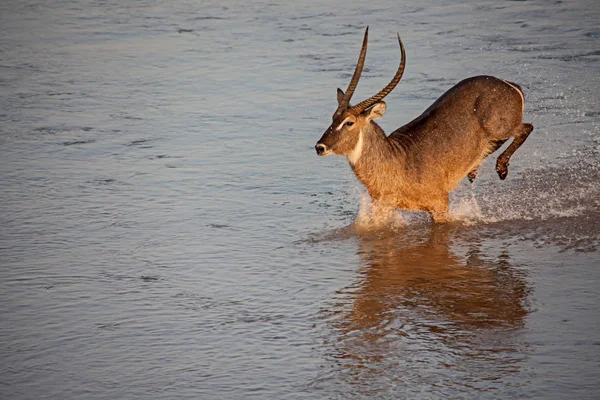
x,y
363,105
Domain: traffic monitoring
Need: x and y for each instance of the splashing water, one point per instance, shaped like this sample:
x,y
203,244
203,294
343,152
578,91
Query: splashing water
x,y
569,192
467,210
565,192
372,215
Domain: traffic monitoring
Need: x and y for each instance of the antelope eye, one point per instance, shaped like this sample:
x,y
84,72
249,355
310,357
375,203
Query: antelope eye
x,y
349,123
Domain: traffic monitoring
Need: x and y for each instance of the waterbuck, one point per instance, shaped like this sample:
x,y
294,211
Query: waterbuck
x,y
416,166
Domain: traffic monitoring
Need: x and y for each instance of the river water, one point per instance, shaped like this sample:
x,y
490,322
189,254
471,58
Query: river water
x,y
167,230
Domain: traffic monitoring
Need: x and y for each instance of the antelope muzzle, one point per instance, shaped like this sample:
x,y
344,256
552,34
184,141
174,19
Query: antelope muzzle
x,y
321,149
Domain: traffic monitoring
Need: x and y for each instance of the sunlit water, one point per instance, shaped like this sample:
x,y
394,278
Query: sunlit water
x,y
167,230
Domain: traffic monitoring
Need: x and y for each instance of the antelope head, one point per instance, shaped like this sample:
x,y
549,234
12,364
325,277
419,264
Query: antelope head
x,y
343,137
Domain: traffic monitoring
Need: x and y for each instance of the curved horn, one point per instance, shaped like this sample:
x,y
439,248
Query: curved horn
x,y
355,77
363,105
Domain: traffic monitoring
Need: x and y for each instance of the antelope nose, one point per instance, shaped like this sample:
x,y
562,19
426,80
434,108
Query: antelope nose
x,y
320,148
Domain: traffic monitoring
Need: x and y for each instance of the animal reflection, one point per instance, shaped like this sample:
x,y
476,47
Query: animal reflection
x,y
422,278
429,300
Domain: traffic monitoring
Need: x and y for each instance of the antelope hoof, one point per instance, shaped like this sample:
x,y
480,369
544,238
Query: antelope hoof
x,y
472,175
502,168
502,171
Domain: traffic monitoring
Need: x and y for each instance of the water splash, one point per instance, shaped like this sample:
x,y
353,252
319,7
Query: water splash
x,y
467,211
374,216
566,194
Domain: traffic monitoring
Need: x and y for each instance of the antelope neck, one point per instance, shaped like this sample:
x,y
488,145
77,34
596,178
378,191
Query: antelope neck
x,y
371,140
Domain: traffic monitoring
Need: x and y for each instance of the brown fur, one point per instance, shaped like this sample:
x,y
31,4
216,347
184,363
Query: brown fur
x,y
416,166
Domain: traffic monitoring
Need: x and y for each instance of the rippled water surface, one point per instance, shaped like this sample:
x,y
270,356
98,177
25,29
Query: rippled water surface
x,y
167,230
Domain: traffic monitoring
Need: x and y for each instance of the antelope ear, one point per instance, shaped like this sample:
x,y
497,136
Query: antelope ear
x,y
340,95
376,111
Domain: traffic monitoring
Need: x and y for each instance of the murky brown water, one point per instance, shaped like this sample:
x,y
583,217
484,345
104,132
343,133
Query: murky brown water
x,y
168,232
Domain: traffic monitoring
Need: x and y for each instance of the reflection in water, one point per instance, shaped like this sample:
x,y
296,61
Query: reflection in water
x,y
430,303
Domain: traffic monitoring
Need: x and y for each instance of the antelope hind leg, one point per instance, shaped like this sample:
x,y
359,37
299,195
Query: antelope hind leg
x,y
503,160
494,145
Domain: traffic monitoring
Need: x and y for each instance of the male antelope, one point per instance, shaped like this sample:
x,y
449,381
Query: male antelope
x,y
417,166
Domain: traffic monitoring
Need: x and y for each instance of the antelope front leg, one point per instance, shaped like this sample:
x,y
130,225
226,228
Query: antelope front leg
x,y
439,211
473,174
504,158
